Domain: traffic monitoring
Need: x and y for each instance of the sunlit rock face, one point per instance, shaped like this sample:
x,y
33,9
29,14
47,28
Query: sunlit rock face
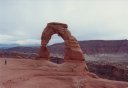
x,y
72,47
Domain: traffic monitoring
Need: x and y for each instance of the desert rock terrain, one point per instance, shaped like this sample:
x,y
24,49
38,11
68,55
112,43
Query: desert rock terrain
x,y
24,73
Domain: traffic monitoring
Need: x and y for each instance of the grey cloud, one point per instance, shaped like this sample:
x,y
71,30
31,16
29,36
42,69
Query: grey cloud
x,y
24,20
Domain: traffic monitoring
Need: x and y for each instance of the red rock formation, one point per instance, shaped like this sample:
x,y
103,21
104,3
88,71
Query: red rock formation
x,y
23,73
72,48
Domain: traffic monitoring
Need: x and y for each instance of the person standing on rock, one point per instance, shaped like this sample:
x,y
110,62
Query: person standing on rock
x,y
5,62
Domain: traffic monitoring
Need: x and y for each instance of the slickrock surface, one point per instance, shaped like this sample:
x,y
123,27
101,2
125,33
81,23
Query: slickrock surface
x,y
23,73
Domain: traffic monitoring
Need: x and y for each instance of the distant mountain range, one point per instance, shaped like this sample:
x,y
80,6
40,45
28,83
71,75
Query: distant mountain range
x,y
8,45
88,47
96,47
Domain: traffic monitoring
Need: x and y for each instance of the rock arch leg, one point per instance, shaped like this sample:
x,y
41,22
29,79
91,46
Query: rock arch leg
x,y
43,53
73,50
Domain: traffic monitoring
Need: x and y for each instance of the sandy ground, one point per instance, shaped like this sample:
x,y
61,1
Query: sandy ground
x,y
22,73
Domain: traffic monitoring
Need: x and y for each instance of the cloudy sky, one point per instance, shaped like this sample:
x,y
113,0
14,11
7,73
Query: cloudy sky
x,y
22,21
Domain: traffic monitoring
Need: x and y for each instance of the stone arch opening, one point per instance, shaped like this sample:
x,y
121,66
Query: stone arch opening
x,y
56,50
72,48
55,39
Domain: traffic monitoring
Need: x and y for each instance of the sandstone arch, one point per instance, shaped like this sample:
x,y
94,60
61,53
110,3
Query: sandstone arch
x,y
72,48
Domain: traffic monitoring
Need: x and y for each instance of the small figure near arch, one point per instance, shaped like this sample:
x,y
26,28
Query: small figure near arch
x,y
5,61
